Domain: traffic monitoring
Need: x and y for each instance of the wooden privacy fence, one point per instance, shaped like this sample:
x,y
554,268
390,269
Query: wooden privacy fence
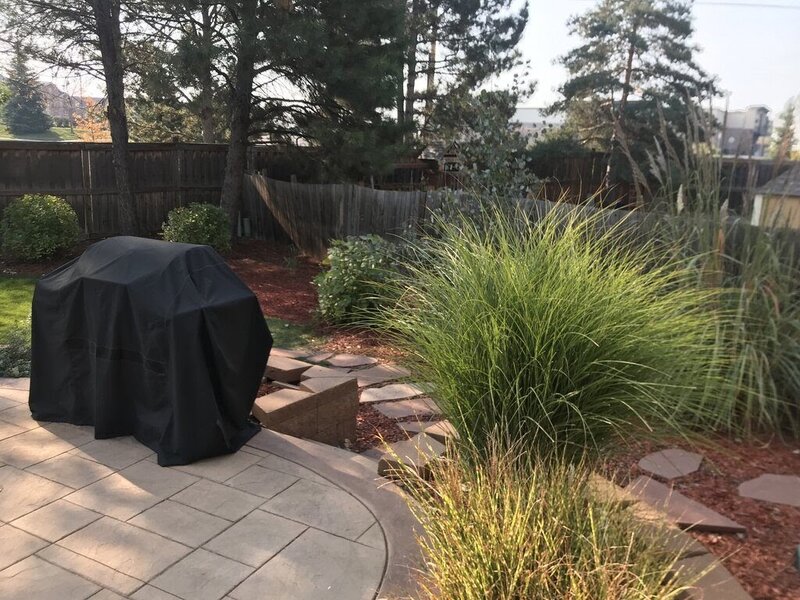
x,y
312,215
163,176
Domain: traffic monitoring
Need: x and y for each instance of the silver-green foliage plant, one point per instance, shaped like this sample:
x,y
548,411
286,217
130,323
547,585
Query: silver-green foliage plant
x,y
15,350
357,266
555,332
38,226
198,223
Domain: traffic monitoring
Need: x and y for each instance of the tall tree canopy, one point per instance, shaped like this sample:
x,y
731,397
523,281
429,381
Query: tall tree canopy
x,y
454,46
23,106
785,136
633,77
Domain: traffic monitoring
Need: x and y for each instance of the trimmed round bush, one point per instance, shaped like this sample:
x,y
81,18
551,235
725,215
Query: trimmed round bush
x,y
37,226
198,223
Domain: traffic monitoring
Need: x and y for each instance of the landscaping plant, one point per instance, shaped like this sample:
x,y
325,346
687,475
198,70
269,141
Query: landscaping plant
x,y
555,332
15,350
37,226
198,223
497,527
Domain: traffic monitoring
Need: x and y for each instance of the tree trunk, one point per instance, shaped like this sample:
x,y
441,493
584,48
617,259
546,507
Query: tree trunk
x,y
107,28
411,62
430,86
618,118
206,95
241,100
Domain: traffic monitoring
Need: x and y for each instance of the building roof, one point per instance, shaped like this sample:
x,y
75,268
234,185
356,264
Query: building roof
x,y
786,184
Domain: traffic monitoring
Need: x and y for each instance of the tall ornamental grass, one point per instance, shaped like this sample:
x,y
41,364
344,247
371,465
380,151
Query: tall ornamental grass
x,y
555,332
498,528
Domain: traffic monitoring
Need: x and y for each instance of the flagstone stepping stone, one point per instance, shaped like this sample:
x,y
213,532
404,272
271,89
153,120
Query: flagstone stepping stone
x,y
318,358
780,489
418,407
415,454
441,431
707,579
286,370
683,511
671,463
393,391
350,360
288,353
320,371
380,374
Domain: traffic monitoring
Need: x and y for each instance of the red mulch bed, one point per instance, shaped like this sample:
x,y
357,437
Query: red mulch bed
x,y
762,560
373,428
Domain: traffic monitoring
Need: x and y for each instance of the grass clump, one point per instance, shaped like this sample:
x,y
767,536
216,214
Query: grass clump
x,y
499,528
554,332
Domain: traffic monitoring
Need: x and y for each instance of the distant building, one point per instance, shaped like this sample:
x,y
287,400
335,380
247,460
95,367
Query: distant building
x,y
743,132
534,123
777,204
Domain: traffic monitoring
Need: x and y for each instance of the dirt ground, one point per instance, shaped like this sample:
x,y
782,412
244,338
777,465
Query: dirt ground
x,y
762,559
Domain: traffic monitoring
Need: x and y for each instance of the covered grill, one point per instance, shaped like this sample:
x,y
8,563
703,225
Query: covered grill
x,y
153,339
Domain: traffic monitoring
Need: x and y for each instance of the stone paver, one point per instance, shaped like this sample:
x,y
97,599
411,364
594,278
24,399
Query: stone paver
x,y
780,489
287,353
56,520
35,578
24,492
82,518
416,454
71,470
202,576
256,538
15,383
125,548
682,511
393,391
16,545
671,463
180,523
316,565
441,431
350,360
261,481
318,358
709,580
408,408
320,371
330,509
218,499
380,374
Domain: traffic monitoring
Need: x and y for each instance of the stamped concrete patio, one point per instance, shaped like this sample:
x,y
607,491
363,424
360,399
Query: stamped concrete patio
x,y
283,518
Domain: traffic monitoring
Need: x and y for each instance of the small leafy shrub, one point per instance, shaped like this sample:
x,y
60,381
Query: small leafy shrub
x,y
357,269
503,529
198,223
15,350
37,226
555,333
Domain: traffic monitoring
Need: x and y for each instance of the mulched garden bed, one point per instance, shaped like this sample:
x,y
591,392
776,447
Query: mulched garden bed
x,y
762,560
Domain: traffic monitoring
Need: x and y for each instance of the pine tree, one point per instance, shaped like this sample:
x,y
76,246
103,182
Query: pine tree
x,y
784,137
453,46
24,110
633,78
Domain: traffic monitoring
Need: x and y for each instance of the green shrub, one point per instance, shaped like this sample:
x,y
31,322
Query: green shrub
x,y
350,286
38,226
198,223
15,350
499,529
556,333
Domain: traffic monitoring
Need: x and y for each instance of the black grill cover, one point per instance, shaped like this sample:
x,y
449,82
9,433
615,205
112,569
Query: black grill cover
x,y
153,339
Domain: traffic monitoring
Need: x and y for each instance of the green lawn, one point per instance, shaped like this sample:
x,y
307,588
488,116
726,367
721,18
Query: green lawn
x,y
290,335
54,134
15,300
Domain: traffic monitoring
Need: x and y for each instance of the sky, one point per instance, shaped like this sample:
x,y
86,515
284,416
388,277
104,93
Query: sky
x,y
752,46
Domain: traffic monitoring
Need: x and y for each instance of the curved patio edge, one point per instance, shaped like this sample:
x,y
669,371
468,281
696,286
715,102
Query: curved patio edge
x,y
356,475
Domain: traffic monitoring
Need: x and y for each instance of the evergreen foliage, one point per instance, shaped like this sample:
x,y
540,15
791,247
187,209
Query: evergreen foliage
x,y
23,109
633,76
785,134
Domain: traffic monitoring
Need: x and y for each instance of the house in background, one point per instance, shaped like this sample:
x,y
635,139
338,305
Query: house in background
x,y
777,204
743,132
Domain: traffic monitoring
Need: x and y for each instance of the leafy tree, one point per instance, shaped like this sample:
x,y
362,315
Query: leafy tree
x,y
633,77
23,110
5,93
93,126
453,46
785,134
